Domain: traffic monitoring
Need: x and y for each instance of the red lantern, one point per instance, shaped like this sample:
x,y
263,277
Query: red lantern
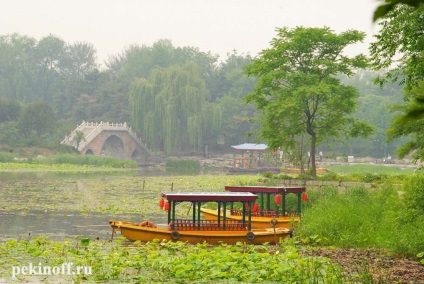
x,y
166,206
161,203
255,207
278,199
246,206
304,197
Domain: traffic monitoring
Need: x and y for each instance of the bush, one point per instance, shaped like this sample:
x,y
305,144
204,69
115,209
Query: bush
x,y
6,157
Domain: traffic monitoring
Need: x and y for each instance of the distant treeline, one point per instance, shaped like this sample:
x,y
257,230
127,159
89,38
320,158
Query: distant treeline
x,y
178,99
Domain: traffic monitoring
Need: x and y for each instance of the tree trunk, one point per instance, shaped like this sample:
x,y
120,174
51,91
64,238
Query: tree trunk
x,y
313,150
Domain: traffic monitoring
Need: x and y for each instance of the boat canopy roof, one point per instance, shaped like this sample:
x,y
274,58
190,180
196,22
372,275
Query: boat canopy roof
x,y
265,189
210,196
250,147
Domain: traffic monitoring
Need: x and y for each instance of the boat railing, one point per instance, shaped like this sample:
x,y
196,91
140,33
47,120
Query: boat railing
x,y
206,225
264,213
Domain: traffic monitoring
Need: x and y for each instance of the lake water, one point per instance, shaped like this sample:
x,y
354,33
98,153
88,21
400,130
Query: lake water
x,y
57,225
31,204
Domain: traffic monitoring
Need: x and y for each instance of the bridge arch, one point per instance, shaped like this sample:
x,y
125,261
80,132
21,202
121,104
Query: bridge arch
x,y
113,147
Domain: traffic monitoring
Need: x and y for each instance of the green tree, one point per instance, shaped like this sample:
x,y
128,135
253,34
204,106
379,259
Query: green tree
x,y
37,119
399,48
389,5
298,90
170,111
16,68
48,56
9,110
78,138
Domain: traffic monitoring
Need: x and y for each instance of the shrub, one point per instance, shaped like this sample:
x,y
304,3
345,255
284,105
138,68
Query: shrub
x,y
6,157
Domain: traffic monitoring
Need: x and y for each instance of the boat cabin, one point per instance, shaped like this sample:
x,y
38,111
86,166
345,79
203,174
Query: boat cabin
x,y
249,157
265,193
223,199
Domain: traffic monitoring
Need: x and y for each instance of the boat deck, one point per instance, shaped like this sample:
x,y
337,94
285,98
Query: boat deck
x,y
264,213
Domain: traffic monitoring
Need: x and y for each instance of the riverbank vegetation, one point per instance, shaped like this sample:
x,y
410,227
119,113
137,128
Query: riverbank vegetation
x,y
62,162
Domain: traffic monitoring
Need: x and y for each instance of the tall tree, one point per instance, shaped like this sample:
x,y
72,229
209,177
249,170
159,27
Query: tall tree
x,y
15,67
399,48
298,90
170,111
48,56
37,119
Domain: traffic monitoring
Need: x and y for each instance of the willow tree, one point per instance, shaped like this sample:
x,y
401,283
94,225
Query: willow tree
x,y
170,111
298,90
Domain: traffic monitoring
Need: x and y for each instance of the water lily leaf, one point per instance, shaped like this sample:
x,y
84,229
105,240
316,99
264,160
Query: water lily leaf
x,y
85,241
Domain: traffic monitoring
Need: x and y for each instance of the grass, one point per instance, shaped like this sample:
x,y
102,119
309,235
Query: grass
x,y
365,217
64,161
368,168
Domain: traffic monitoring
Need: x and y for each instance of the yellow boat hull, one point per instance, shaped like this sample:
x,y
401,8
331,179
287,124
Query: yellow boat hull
x,y
133,231
257,222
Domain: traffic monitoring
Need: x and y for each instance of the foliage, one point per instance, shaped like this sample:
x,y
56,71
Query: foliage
x,y
400,41
67,77
413,196
374,106
409,124
364,168
298,91
9,110
10,134
6,157
171,110
171,262
354,218
88,160
390,5
350,214
68,160
37,119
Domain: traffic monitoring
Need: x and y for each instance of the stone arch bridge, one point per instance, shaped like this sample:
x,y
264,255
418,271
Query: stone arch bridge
x,y
115,140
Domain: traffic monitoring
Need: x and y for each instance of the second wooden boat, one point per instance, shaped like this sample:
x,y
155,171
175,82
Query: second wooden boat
x,y
262,216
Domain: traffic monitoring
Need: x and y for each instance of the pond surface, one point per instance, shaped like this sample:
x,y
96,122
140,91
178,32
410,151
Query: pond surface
x,y
57,226
66,205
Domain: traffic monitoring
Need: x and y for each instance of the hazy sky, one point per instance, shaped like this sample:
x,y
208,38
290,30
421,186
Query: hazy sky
x,y
219,26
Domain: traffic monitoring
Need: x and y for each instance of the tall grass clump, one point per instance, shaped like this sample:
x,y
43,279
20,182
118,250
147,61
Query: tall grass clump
x,y
88,160
358,217
390,216
409,233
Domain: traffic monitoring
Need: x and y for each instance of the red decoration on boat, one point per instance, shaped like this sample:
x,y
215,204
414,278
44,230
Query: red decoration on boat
x,y
255,207
161,203
278,199
304,197
166,206
246,206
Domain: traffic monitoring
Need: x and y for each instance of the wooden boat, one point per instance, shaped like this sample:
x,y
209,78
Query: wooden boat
x,y
263,216
197,230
